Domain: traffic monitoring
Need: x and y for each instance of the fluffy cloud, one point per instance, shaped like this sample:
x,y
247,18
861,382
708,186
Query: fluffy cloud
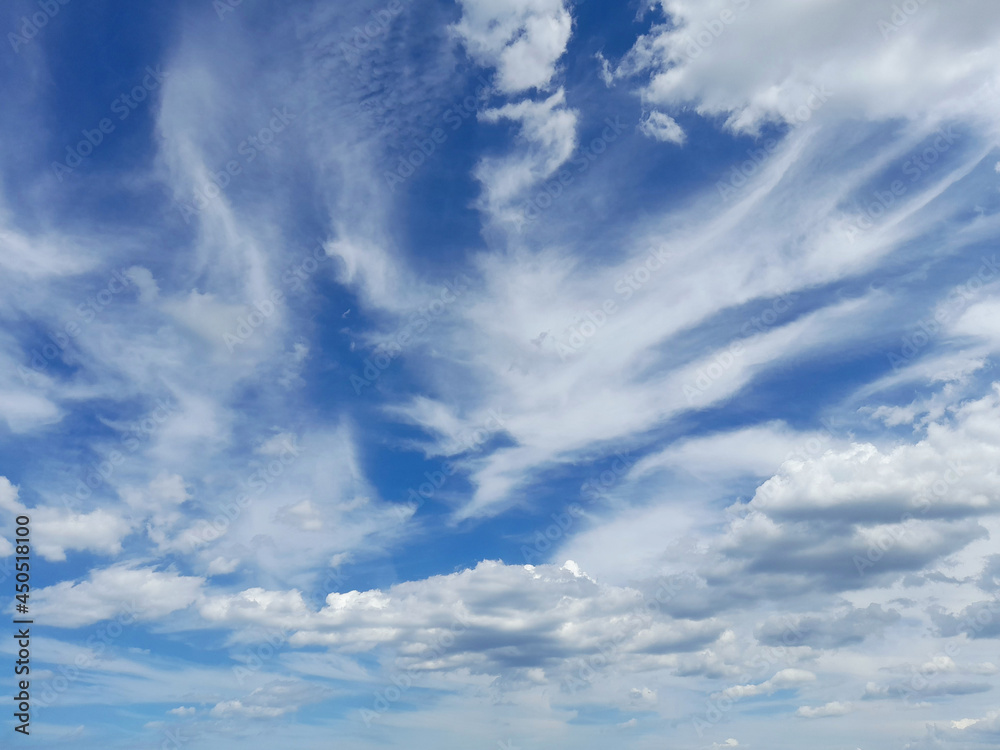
x,y
134,593
869,60
522,39
547,138
493,618
56,531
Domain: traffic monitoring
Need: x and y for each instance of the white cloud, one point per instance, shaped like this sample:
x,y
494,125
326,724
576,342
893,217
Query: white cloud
x,y
522,39
786,678
547,138
56,531
662,127
493,618
126,592
834,708
854,53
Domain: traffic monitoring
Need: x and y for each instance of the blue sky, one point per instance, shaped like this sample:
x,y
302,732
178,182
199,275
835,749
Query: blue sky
x,y
503,373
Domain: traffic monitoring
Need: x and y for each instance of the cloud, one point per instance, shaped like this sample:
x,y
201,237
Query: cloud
x,y
826,630
786,678
522,39
851,53
487,619
546,139
662,127
835,708
132,593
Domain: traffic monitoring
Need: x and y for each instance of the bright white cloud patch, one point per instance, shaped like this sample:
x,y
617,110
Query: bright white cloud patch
x,y
662,127
522,39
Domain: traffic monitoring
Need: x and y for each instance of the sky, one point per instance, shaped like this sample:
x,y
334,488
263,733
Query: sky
x,y
502,374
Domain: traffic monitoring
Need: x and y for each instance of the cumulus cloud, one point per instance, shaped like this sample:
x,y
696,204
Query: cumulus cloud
x,y
129,592
58,530
522,39
488,619
852,54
